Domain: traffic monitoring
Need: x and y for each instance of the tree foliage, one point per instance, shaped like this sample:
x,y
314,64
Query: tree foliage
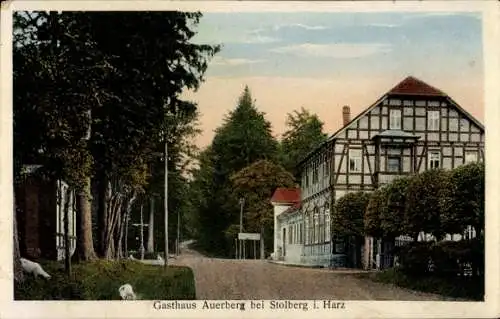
x,y
348,216
462,199
73,70
304,134
377,204
244,138
422,211
256,184
393,208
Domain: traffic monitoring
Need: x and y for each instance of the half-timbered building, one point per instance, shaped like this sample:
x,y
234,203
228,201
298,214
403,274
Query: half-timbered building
x,y
411,128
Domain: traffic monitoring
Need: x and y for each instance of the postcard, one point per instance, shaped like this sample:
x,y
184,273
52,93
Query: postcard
x,y
249,159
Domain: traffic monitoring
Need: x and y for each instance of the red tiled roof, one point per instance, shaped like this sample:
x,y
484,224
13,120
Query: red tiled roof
x,y
414,86
286,195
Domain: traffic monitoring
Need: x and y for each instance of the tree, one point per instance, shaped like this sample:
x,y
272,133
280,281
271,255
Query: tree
x,y
256,184
304,134
422,208
392,215
462,199
150,94
51,99
374,210
72,65
348,222
244,138
348,216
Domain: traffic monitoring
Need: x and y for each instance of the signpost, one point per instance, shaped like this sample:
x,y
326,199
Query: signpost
x,y
250,236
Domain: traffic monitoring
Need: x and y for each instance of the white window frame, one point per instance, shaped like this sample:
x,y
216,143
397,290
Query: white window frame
x,y
395,116
433,118
355,157
474,153
431,157
327,225
316,226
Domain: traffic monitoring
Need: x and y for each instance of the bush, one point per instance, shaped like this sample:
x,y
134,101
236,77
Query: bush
x,y
414,258
100,280
460,287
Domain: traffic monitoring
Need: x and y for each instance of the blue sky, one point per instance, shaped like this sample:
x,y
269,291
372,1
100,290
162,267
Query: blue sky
x,y
319,44
322,61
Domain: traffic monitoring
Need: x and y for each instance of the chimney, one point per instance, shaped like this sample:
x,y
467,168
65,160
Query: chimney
x,y
346,114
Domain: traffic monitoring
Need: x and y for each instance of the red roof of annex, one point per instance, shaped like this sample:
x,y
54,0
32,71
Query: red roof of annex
x,y
286,195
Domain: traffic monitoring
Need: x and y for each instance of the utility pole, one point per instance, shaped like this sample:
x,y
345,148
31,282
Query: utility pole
x,y
166,201
142,234
242,202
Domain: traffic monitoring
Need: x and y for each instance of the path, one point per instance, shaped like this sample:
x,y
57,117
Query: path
x,y
256,279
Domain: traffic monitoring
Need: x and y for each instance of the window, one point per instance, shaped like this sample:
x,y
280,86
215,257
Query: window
x,y
355,160
434,159
316,225
470,157
327,225
311,228
326,169
395,119
394,164
433,120
315,174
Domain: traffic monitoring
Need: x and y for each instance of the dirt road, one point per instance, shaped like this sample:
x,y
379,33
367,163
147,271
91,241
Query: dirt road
x,y
255,279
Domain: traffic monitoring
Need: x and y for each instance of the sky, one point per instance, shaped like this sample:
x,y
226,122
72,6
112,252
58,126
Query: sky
x,y
323,61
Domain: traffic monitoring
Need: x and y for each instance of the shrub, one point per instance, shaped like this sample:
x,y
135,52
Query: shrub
x,y
460,287
414,258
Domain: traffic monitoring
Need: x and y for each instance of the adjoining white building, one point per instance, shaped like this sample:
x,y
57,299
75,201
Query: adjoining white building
x,y
288,226
411,128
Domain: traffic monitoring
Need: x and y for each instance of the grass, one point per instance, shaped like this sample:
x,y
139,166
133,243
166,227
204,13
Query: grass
x,y
456,287
100,280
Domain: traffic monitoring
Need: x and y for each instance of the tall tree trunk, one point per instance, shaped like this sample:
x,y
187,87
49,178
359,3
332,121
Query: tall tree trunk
x,y
124,226
18,270
102,215
67,240
125,243
84,242
151,246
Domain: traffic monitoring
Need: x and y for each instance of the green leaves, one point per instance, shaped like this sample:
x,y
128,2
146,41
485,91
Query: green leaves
x,y
436,202
422,211
348,216
256,183
375,209
462,199
304,134
392,215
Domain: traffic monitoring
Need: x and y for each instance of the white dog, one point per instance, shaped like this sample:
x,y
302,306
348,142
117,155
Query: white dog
x,y
159,258
34,268
126,292
131,257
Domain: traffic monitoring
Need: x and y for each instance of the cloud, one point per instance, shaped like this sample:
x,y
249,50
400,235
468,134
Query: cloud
x,y
334,50
233,62
302,26
383,25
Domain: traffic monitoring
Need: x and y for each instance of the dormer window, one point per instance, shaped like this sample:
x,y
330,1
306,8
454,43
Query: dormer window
x,y
395,119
